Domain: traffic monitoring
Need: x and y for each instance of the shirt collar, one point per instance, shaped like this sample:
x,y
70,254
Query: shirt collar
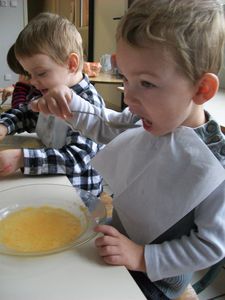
x,y
210,132
82,85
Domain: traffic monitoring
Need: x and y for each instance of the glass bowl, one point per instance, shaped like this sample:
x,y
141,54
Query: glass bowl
x,y
83,205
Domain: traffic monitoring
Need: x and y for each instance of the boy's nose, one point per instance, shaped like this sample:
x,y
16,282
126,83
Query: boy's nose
x,y
32,81
129,96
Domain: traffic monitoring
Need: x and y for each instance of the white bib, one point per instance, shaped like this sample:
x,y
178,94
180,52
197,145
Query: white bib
x,y
52,131
156,181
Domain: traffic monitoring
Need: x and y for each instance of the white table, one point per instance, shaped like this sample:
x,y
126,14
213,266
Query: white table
x,y
77,274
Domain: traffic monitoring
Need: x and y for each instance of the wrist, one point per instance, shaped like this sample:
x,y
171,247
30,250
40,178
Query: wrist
x,y
138,261
141,262
3,131
19,158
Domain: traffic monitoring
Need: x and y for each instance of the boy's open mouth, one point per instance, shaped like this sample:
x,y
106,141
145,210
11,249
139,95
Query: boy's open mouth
x,y
44,91
146,124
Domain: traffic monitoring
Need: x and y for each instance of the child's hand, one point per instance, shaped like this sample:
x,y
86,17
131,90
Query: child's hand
x,y
3,132
117,249
10,161
55,101
6,92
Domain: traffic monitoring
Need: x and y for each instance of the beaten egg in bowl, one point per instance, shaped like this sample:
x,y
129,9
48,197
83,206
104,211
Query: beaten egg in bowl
x,y
40,219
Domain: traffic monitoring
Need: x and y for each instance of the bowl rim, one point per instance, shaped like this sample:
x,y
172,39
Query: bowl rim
x,y
87,235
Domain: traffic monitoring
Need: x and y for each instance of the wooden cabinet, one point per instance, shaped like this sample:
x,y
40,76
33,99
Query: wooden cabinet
x,y
77,11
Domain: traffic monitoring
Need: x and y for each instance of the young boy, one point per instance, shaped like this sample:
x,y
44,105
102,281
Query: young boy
x,y
49,48
22,90
168,177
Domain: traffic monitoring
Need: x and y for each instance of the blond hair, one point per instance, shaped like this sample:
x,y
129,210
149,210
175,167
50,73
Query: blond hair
x,y
194,30
52,35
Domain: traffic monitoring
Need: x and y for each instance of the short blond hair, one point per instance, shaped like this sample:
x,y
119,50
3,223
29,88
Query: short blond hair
x,y
52,35
194,30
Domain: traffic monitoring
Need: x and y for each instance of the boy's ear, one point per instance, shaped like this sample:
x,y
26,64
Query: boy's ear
x,y
207,87
73,62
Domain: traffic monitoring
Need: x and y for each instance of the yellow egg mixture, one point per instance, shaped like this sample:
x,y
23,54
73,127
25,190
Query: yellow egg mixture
x,y
35,229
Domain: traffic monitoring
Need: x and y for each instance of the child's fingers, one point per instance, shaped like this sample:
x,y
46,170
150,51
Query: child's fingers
x,y
5,95
34,106
66,111
106,240
61,110
53,107
40,105
107,230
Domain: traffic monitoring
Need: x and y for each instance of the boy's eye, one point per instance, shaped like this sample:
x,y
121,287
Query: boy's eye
x,y
147,84
41,74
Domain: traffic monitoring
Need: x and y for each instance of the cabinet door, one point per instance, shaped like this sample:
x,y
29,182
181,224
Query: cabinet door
x,y
105,25
106,19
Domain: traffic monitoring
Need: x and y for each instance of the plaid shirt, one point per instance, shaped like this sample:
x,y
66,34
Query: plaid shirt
x,y
73,159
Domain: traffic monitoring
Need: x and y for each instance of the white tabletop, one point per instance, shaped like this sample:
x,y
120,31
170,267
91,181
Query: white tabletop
x,y
77,274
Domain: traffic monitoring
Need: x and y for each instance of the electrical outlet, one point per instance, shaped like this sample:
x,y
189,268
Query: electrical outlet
x,y
4,3
7,77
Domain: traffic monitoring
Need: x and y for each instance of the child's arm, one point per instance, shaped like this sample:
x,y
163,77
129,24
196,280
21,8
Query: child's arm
x,y
199,249
63,102
19,120
6,92
92,126
10,161
55,102
3,131
72,159
194,251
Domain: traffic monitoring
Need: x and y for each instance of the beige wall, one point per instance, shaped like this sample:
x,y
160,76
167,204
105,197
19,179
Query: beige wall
x,y
104,42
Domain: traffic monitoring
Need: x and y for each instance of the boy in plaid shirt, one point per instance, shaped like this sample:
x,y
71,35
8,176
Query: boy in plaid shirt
x,y
49,48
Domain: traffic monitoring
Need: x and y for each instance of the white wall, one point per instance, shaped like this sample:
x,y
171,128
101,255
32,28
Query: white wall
x,y
104,42
12,21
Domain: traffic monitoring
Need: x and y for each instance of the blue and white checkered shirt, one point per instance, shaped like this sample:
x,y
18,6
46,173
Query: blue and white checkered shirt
x,y
72,158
